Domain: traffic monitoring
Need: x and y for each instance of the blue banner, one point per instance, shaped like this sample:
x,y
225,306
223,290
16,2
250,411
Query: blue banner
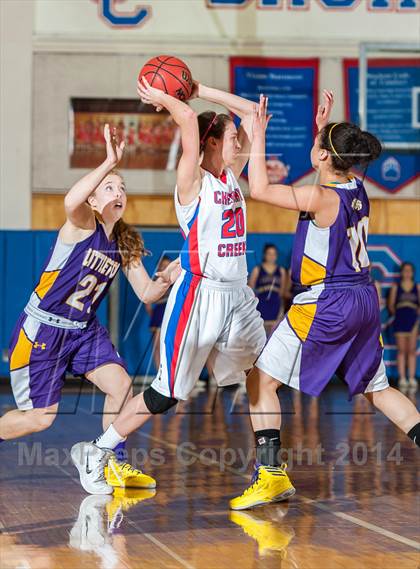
x,y
390,91
292,89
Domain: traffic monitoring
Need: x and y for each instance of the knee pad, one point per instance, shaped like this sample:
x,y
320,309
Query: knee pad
x,y
156,402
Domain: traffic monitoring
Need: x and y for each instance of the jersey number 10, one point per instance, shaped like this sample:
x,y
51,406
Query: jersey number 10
x,y
357,235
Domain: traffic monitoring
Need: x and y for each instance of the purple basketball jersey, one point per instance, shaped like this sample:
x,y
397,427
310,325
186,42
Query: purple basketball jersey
x,y
335,256
76,277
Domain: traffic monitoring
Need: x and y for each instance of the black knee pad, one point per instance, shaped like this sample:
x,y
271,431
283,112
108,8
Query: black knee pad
x,y
157,403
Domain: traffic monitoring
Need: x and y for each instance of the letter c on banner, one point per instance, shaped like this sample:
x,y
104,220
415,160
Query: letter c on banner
x,y
108,11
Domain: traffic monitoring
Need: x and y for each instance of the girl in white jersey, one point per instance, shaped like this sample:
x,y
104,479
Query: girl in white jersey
x,y
211,314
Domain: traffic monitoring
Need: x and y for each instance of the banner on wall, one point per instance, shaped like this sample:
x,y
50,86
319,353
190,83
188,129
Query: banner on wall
x,y
391,86
292,89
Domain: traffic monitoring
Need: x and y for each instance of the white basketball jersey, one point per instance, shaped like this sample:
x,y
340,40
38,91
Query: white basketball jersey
x,y
214,227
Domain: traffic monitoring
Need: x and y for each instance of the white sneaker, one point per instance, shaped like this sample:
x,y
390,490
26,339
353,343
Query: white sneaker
x,y
90,461
90,530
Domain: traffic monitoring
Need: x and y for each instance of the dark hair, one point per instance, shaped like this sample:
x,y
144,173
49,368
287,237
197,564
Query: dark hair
x,y
349,146
407,264
211,124
268,246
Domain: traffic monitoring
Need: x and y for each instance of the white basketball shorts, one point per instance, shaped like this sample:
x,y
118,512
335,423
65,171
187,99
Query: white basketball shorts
x,y
209,323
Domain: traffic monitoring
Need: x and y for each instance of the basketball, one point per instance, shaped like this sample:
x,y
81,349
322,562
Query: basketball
x,y
169,74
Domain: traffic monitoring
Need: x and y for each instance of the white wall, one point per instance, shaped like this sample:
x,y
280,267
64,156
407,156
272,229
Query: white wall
x,y
16,25
77,53
60,76
193,20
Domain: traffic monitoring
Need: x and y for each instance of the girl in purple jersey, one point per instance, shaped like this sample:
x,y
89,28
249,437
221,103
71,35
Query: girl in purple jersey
x,y
269,282
333,325
58,330
404,303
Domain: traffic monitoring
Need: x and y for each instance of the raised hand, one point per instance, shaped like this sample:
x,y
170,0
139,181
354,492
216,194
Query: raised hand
x,y
324,110
114,147
149,95
260,118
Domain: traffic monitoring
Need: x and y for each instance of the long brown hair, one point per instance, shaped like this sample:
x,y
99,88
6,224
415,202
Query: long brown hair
x,y
130,243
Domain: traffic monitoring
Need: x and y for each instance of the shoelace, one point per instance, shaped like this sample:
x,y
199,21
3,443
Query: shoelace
x,y
102,462
254,481
256,476
128,468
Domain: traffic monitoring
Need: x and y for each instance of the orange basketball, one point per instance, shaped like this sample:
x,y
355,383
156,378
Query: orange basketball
x,y
169,74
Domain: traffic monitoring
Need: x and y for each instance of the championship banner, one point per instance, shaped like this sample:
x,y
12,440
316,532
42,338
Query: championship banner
x,y
391,88
292,89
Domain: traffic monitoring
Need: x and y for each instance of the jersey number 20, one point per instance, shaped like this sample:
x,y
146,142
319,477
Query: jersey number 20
x,y
357,235
234,225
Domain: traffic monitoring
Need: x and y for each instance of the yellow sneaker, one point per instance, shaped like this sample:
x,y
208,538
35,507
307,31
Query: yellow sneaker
x,y
123,475
122,500
269,536
269,484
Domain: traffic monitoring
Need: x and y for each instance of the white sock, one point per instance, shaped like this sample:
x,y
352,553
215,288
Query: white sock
x,y
109,439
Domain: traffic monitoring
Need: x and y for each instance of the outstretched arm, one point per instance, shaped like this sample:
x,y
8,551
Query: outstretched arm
x,y
78,212
188,173
149,290
240,107
311,198
235,104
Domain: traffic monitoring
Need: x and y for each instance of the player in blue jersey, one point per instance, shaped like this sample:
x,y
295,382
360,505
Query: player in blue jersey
x,y
334,324
58,331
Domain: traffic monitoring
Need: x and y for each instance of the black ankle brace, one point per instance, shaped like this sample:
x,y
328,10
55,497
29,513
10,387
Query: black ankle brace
x,y
268,447
414,434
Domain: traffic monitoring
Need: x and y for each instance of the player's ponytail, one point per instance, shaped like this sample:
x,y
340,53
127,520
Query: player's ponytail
x,y
211,124
349,146
130,243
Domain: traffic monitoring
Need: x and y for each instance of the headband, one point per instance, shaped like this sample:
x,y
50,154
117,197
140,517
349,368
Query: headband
x,y
330,140
203,138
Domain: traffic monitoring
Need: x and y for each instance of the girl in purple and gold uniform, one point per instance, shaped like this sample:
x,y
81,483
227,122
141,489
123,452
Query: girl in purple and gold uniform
x,y
404,302
333,325
58,331
269,281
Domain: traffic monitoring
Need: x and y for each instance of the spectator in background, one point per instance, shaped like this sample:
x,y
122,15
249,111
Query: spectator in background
x,y
156,315
270,283
404,303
